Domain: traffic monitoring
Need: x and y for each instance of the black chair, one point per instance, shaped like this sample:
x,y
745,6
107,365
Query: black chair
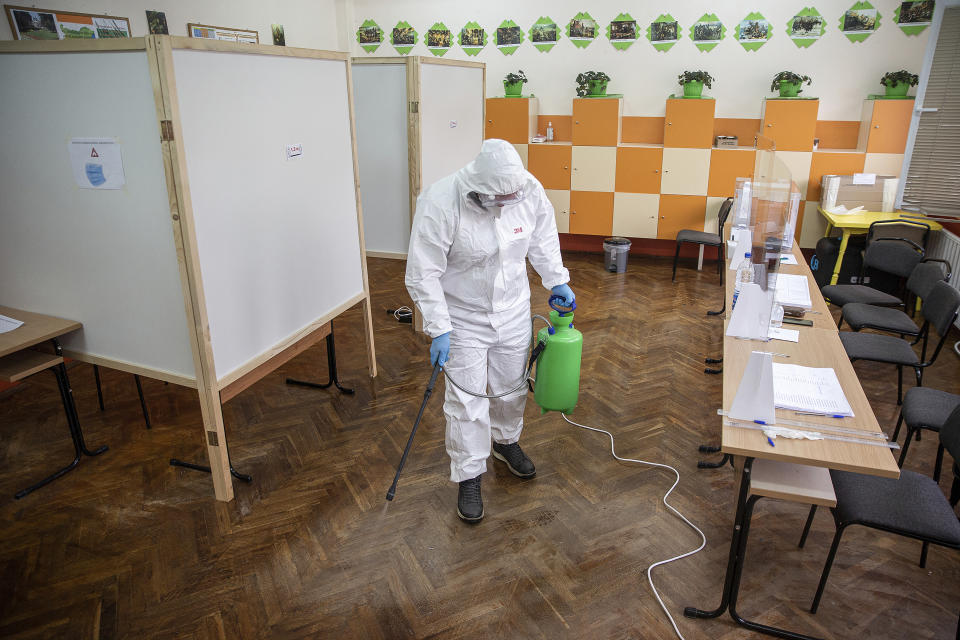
x,y
912,506
912,230
925,408
896,256
867,316
706,238
939,311
950,440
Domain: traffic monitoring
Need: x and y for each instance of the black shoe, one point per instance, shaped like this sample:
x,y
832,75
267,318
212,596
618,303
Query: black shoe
x,y
469,501
517,461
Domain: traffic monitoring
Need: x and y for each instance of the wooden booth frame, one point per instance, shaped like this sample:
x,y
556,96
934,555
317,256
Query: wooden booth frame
x,y
212,392
9,9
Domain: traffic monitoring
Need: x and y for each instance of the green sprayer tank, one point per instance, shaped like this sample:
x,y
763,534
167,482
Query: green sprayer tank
x,y
558,366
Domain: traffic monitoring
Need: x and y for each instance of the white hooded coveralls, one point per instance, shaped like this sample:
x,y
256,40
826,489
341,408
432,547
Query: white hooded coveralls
x,y
466,272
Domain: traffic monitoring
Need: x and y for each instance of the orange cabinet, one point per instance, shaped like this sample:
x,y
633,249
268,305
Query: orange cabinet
x,y
591,212
885,126
792,124
596,121
680,212
550,164
689,123
638,169
511,119
726,165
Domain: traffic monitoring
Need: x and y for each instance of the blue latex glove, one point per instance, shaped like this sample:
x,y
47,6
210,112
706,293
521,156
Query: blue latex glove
x,y
565,292
440,349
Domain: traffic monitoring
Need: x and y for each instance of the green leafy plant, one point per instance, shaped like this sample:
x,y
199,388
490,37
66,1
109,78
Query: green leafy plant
x,y
788,77
891,78
588,78
513,78
696,76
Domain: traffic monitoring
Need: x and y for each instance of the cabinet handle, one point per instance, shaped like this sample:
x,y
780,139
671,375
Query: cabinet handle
x,y
566,168
669,124
663,217
769,125
576,122
876,126
490,121
656,170
573,213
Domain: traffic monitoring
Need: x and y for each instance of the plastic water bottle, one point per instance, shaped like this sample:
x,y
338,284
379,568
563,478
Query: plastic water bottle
x,y
549,132
744,276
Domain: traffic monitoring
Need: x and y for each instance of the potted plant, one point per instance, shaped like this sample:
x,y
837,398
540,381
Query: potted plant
x,y
592,83
513,83
788,83
897,83
693,82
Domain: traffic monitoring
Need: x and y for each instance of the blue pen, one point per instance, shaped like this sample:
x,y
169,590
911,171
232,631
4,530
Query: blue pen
x,y
770,440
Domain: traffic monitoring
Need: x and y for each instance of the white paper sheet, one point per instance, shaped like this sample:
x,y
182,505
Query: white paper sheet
x,y
8,324
793,291
809,389
787,335
864,178
788,258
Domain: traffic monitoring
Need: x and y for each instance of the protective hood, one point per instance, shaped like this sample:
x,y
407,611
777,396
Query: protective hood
x,y
497,169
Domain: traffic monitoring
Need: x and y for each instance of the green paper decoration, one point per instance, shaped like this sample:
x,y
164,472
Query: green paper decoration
x,y
919,16
707,32
370,36
403,37
755,31
582,30
622,32
663,37
438,39
544,34
509,36
806,27
860,21
472,38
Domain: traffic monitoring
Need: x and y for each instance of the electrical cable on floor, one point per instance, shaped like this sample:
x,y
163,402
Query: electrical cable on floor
x,y
666,504
402,312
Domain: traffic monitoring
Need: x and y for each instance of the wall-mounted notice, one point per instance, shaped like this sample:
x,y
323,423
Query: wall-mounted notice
x,y
211,32
707,32
294,151
753,31
622,32
369,36
30,23
438,39
472,38
915,16
859,21
544,34
582,30
806,27
96,162
663,32
509,37
403,37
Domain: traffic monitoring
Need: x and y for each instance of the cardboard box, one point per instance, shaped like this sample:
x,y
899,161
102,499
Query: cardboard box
x,y
725,141
878,196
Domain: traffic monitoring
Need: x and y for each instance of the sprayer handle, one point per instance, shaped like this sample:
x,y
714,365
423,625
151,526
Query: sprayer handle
x,y
562,311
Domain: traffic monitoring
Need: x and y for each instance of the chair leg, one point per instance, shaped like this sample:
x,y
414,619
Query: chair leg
x,y
676,256
955,488
938,466
899,384
906,445
919,373
806,527
896,432
840,320
923,554
826,569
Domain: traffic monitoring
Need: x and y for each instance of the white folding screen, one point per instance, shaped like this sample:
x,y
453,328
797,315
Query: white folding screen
x,y
451,118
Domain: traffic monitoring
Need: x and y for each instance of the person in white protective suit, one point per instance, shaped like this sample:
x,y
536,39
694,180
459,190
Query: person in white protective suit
x,y
467,274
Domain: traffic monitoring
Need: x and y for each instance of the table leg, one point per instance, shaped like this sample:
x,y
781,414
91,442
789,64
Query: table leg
x,y
843,249
334,379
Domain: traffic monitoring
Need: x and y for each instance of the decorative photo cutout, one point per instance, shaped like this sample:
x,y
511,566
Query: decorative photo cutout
x,y
663,32
582,30
860,21
622,32
403,37
370,36
753,32
544,34
806,27
707,32
509,37
472,38
438,39
915,16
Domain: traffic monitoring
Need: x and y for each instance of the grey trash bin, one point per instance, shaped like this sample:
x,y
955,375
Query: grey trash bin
x,y
615,252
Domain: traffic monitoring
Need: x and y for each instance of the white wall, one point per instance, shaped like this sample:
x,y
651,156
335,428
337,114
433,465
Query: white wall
x,y
306,23
843,73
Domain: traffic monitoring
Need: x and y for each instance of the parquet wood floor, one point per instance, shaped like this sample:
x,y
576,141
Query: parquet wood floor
x,y
128,547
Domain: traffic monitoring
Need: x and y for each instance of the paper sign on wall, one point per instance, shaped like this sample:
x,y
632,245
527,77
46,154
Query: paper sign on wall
x,y
97,163
294,151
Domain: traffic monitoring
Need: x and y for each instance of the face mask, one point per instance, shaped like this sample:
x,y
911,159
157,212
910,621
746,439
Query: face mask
x,y
495,200
95,173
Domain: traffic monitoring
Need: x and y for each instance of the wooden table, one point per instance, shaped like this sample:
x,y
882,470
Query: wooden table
x,y
860,223
18,360
795,470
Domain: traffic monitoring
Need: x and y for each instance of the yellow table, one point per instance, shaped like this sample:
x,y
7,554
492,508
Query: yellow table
x,y
860,223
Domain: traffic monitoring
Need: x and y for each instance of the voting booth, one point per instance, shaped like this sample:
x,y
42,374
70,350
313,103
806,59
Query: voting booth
x,y
194,203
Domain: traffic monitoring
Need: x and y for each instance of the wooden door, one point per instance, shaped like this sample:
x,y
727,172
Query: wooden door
x,y
689,123
638,169
591,212
596,121
680,212
792,124
550,164
507,119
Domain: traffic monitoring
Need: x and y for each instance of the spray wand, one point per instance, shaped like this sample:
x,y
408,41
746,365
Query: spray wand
x,y
403,459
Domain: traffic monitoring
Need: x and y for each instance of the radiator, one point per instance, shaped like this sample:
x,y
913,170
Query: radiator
x,y
946,246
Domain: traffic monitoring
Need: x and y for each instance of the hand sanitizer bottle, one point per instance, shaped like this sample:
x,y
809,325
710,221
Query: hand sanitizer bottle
x,y
549,132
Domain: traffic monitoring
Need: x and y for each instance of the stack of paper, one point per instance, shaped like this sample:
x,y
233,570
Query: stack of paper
x,y
8,324
809,389
793,291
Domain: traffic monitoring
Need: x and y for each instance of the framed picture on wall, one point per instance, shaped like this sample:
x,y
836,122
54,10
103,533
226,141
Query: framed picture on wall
x,y
30,23
229,34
